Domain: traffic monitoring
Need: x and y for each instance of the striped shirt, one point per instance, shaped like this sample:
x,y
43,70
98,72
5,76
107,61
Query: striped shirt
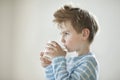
x,y
83,67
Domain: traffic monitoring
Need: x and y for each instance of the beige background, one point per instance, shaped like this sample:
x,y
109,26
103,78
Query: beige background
x,y
26,25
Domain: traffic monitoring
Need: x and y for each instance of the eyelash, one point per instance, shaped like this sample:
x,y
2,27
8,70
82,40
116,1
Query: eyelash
x,y
66,33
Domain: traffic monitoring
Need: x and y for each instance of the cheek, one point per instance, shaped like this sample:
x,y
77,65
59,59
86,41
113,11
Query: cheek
x,y
68,40
73,42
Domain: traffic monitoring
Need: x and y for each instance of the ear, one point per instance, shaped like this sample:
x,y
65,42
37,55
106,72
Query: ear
x,y
85,33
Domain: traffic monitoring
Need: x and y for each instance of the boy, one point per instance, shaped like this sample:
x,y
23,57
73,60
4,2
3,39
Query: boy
x,y
78,29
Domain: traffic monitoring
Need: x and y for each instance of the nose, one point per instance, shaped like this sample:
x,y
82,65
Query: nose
x,y
62,40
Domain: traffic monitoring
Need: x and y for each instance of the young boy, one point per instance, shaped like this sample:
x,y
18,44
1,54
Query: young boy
x,y
78,28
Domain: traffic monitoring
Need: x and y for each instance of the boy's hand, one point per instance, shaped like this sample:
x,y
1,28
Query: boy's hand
x,y
53,49
44,60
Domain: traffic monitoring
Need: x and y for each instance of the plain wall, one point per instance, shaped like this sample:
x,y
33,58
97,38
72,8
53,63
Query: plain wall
x,y
26,26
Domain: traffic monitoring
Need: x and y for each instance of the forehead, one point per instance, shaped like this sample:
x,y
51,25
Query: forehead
x,y
65,26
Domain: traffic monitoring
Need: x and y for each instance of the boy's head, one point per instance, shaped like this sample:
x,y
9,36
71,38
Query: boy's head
x,y
80,19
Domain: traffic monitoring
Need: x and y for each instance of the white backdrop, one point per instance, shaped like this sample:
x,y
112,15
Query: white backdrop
x,y
26,25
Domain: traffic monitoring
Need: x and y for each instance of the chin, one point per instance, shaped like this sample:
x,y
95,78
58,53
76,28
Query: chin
x,y
68,50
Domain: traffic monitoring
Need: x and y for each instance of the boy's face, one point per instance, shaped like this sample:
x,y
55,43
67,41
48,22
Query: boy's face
x,y
70,38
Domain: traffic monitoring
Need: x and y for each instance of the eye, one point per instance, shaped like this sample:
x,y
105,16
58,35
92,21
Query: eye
x,y
66,33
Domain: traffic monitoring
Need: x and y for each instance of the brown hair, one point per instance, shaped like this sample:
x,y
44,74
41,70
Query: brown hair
x,y
79,19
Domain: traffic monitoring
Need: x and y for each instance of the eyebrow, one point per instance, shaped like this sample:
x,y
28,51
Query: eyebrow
x,y
64,31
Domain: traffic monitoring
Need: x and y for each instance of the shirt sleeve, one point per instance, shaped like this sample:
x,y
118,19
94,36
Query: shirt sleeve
x,y
83,71
49,73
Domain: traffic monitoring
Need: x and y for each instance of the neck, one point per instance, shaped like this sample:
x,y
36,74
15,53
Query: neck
x,y
84,50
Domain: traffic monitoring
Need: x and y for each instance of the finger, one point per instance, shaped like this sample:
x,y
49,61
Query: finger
x,y
41,59
44,64
47,61
47,58
54,43
50,49
44,60
50,45
41,54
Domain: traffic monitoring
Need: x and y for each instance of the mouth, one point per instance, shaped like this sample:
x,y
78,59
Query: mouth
x,y
65,48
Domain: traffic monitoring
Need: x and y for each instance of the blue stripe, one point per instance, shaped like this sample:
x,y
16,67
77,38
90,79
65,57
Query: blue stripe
x,y
76,68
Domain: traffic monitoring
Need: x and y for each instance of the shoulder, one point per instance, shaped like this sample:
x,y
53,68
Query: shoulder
x,y
88,59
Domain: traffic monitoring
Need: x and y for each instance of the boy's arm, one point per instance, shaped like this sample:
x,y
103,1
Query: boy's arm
x,y
49,73
84,71
47,65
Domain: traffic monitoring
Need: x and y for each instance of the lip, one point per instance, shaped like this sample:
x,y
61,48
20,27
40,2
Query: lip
x,y
64,47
